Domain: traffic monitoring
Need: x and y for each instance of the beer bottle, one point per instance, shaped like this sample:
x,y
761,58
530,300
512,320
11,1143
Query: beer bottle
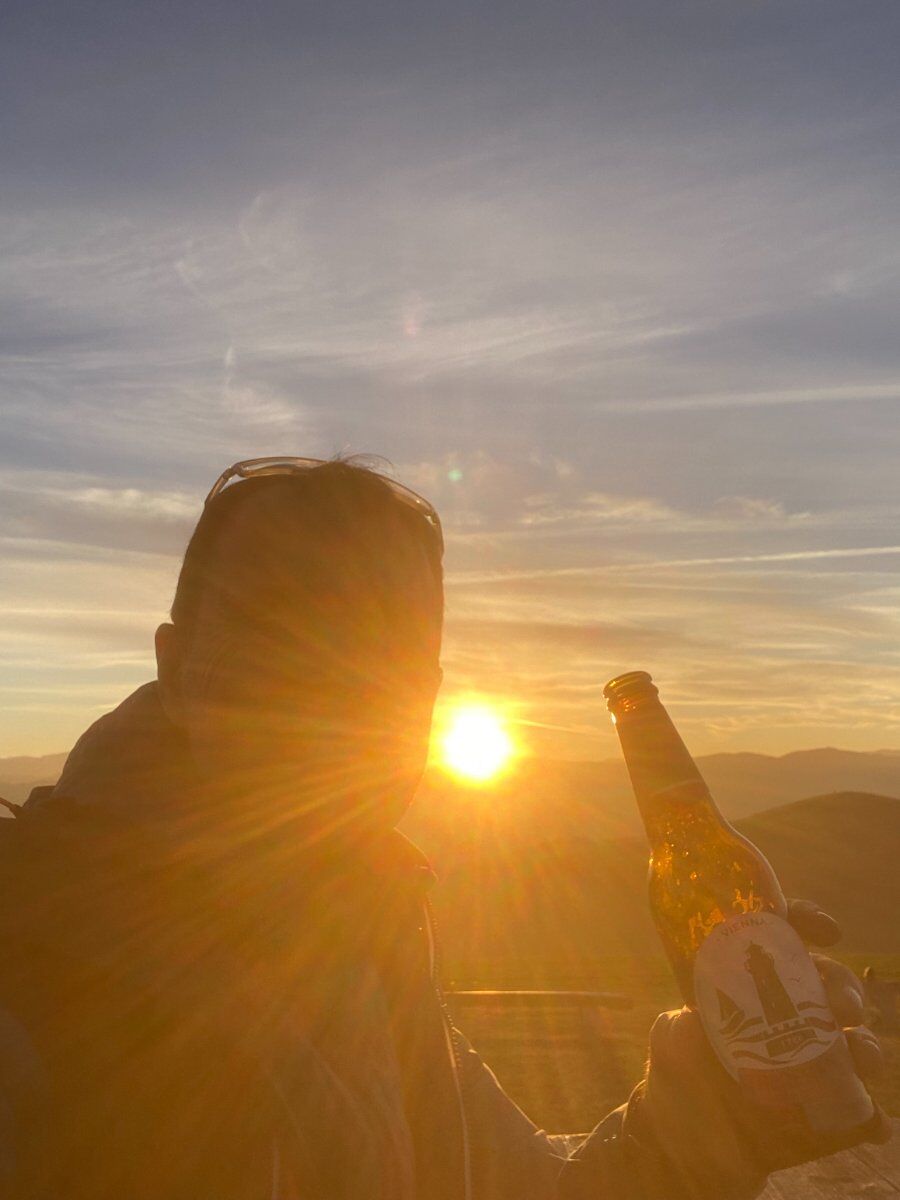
x,y
721,915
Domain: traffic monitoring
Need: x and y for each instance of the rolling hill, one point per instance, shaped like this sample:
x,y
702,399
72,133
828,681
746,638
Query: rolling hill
x,y
547,799
19,775
550,909
840,850
592,798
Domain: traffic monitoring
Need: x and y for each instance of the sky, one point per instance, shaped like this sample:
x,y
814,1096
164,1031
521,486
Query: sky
x,y
616,285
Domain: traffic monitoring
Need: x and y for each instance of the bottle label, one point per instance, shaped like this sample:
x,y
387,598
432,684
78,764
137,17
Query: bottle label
x,y
760,997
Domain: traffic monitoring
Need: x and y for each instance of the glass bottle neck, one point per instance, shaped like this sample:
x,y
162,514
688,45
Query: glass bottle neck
x,y
663,774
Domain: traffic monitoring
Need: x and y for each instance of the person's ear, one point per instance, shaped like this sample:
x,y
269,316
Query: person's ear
x,y
168,672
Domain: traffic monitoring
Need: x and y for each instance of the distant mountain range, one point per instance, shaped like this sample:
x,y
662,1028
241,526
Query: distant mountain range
x,y
546,799
593,799
546,868
19,775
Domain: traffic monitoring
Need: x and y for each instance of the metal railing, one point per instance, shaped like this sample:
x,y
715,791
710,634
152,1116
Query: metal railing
x,y
539,998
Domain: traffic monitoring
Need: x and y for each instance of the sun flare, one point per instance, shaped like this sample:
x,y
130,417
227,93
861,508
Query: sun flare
x,y
476,744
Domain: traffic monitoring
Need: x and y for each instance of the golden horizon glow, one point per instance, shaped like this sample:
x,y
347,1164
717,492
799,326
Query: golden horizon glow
x,y
476,744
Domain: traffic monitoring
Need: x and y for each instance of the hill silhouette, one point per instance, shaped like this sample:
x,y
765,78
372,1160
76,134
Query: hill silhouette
x,y
19,775
591,797
840,850
550,908
548,799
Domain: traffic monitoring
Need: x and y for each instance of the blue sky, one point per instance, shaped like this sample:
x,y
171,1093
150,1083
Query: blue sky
x,y
616,285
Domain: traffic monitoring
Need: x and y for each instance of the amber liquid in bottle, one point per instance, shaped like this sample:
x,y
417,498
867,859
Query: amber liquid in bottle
x,y
721,915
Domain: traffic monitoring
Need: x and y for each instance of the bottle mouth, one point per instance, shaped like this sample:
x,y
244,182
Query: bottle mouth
x,y
633,685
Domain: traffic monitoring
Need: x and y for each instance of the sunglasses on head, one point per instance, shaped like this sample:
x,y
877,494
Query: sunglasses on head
x,y
250,468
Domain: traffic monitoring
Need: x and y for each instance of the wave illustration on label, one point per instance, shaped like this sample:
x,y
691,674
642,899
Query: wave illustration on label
x,y
760,997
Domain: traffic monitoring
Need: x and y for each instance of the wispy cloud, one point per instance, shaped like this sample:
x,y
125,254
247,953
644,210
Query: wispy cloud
x,y
787,556
48,507
848,394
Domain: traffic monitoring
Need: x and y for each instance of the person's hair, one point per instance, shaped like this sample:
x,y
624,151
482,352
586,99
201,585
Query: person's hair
x,y
329,521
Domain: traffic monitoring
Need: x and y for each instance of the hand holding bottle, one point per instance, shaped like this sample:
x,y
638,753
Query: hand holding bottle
x,y
716,1143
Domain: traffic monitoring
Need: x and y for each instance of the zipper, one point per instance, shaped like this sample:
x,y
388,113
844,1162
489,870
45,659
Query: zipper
x,y
452,1044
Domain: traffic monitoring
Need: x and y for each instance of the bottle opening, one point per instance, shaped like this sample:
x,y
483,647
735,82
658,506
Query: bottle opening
x,y
629,689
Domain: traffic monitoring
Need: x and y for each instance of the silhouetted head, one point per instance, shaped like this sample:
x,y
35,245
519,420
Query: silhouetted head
x,y
302,660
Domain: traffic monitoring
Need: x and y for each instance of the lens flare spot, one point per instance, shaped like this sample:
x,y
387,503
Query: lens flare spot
x,y
476,745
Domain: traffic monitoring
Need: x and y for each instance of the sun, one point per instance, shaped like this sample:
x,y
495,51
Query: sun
x,y
476,744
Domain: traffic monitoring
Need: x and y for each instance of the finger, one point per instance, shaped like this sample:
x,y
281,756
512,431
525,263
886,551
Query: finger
x,y
867,1055
678,1041
687,1039
666,1050
812,923
844,992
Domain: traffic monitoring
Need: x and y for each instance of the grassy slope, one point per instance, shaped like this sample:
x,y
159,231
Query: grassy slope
x,y
547,910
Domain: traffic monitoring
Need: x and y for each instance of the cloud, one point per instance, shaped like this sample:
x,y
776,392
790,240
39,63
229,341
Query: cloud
x,y
616,288
789,556
851,393
754,508
41,506
595,507
594,638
